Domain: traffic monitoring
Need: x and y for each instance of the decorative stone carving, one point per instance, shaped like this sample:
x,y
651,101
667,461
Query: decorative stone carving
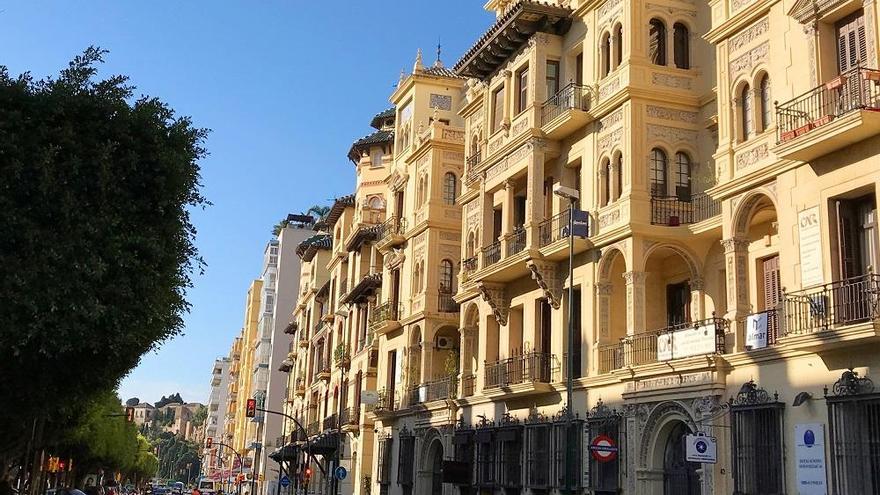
x,y
671,10
749,34
736,5
609,218
747,61
549,280
608,88
395,258
613,119
440,102
607,8
671,81
664,113
752,156
610,141
494,296
671,135
603,288
509,160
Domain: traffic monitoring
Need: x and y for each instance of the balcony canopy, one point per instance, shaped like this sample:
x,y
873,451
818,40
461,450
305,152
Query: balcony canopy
x,y
509,33
364,234
364,288
307,249
339,206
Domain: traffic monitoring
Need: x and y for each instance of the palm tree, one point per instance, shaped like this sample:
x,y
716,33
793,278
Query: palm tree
x,y
319,211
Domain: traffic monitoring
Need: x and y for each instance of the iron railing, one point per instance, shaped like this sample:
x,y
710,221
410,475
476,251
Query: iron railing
x,y
350,416
342,355
313,428
473,164
674,211
516,241
773,330
819,308
855,89
469,264
331,422
635,350
446,303
553,229
468,385
492,253
444,388
571,97
524,368
387,311
392,226
386,402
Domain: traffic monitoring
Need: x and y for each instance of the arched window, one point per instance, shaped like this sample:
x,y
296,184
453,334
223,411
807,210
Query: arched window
x,y
605,181
681,46
618,176
417,279
606,54
766,110
748,122
449,188
657,42
683,176
446,277
618,45
471,244
658,173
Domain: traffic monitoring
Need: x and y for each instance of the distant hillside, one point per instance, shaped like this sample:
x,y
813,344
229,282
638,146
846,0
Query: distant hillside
x,y
171,399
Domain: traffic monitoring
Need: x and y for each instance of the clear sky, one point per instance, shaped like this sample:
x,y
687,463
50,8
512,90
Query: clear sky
x,y
285,85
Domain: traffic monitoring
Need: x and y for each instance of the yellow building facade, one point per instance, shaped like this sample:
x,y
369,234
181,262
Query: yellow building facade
x,y
723,302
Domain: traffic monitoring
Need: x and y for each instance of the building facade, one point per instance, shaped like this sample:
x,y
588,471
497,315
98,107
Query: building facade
x,y
215,421
723,301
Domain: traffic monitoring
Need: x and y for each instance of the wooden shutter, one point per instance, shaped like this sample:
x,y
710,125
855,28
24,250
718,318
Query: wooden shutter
x,y
852,46
846,240
772,285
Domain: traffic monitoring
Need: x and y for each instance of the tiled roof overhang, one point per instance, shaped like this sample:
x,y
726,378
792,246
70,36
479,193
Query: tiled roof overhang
x,y
509,33
364,143
307,249
364,288
380,118
366,233
336,210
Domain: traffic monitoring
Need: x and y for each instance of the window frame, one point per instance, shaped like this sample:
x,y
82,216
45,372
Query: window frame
x,y
522,89
552,83
658,55
659,173
498,96
681,49
450,188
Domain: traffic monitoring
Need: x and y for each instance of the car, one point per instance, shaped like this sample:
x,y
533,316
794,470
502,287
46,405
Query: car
x,y
177,488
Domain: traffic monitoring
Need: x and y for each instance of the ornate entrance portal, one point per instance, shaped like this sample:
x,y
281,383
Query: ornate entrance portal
x,y
679,476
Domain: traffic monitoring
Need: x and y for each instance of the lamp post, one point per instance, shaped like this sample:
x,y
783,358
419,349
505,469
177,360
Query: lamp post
x,y
572,195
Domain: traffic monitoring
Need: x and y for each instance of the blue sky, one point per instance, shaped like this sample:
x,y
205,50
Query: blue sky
x,y
285,85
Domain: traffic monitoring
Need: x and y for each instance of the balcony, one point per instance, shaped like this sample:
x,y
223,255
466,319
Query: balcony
x,y
468,385
331,422
342,356
516,241
322,371
303,341
384,317
520,375
673,342
387,403
566,111
492,254
300,387
350,418
442,389
829,307
446,303
830,117
291,328
473,167
313,428
391,233
553,229
673,211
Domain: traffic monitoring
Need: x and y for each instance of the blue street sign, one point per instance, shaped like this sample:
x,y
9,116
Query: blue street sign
x,y
581,226
285,481
340,473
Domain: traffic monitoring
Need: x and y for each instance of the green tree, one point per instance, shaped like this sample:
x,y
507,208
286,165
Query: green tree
x,y
96,241
200,416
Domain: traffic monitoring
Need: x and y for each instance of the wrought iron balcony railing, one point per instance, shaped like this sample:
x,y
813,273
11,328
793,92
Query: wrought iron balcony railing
x,y
313,428
473,166
444,388
492,253
553,229
331,422
468,385
855,89
674,210
516,242
634,350
820,308
530,367
571,97
350,416
469,265
392,226
446,304
387,311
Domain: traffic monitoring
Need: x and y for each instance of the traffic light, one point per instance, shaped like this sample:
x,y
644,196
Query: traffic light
x,y
251,408
129,414
209,442
307,475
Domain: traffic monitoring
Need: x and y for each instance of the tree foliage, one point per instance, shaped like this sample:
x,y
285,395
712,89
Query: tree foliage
x,y
96,242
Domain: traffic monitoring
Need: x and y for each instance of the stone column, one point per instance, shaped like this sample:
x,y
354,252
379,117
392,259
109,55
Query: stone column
x,y
635,302
534,193
486,224
604,195
697,309
507,216
735,261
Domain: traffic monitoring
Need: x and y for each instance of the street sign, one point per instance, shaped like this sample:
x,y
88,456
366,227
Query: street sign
x,y
603,448
809,453
701,448
580,224
340,473
369,397
285,481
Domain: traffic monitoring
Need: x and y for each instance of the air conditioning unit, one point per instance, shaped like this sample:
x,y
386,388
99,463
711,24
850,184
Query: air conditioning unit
x,y
445,343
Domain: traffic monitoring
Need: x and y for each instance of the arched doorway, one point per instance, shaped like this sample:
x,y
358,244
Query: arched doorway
x,y
435,463
679,476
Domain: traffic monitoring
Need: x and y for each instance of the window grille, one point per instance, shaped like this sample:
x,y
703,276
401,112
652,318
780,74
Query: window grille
x,y
854,418
757,442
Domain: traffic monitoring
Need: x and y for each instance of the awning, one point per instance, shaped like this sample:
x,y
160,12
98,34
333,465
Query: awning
x,y
289,452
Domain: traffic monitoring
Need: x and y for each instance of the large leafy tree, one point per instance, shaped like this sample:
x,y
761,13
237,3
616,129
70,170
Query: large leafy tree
x,y
96,242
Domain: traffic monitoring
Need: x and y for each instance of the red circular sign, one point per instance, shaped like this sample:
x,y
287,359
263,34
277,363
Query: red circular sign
x,y
603,449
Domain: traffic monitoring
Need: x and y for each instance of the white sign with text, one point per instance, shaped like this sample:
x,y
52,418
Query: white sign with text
x,y
686,342
810,244
809,454
756,331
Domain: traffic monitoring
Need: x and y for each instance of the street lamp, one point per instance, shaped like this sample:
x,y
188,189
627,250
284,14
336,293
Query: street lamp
x,y
572,195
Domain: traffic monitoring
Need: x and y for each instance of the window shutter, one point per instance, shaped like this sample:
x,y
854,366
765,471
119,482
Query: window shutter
x,y
772,292
852,46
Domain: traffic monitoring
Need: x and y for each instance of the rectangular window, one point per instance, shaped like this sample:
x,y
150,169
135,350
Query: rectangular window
x,y
567,466
856,235
537,452
579,69
405,460
510,450
604,476
497,108
552,78
383,473
756,440
485,448
855,456
522,89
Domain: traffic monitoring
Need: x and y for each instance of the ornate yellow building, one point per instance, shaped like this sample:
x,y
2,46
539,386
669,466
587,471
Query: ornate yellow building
x,y
724,303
